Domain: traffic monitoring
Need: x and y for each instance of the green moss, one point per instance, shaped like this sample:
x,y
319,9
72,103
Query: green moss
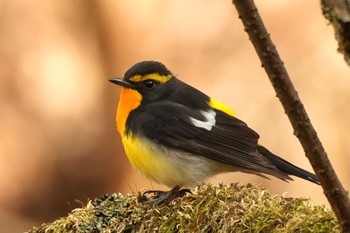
x,y
222,208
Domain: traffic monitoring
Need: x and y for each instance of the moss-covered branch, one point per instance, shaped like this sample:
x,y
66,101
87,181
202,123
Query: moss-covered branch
x,y
222,208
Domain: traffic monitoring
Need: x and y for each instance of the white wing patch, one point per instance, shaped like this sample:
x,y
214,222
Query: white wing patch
x,y
210,120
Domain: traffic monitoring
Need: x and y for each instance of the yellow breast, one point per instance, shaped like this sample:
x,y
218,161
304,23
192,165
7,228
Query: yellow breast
x,y
144,158
167,166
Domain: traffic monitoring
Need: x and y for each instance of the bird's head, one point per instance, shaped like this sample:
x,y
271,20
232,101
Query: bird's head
x,y
149,78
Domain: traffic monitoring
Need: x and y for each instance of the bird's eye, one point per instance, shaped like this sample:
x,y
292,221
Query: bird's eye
x,y
150,83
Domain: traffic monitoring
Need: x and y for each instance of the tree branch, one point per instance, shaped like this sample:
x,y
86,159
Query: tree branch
x,y
338,14
303,129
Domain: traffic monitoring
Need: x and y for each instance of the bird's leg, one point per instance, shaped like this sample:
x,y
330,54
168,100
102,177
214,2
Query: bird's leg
x,y
155,193
161,197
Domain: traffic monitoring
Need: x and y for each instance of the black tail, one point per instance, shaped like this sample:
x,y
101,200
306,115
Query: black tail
x,y
287,167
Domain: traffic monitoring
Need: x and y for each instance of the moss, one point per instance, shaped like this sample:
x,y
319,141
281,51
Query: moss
x,y
222,208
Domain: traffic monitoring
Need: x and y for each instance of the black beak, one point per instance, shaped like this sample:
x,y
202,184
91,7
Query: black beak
x,y
121,82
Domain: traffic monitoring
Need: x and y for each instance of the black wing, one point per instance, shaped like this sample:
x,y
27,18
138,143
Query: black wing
x,y
230,140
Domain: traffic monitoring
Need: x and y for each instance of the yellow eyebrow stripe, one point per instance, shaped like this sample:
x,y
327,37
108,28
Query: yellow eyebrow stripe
x,y
155,76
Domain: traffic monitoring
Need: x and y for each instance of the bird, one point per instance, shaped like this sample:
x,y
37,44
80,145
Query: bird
x,y
178,136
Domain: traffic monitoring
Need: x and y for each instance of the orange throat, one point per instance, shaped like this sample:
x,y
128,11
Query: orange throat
x,y
129,100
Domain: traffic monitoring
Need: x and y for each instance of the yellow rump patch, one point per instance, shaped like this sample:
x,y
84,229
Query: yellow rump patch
x,y
154,76
129,100
221,106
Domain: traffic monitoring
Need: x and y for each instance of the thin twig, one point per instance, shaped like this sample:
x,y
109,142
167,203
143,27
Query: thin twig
x,y
303,129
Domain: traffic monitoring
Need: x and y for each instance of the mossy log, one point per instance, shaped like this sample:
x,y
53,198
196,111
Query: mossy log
x,y
221,208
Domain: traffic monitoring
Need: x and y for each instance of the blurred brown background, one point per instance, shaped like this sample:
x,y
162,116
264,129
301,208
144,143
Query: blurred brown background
x,y
58,142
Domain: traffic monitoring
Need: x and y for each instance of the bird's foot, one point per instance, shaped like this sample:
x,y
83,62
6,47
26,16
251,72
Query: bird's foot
x,y
161,197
